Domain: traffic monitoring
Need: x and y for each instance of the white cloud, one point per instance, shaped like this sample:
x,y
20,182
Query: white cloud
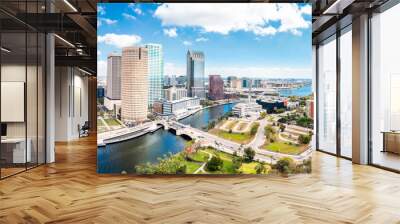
x,y
251,72
119,40
101,70
201,39
170,32
101,10
128,16
187,43
135,8
138,11
307,9
172,69
108,21
223,18
98,53
98,23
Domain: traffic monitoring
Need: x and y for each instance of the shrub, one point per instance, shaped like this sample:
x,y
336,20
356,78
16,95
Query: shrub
x,y
211,125
304,139
236,162
307,165
285,165
214,164
263,115
269,131
260,168
280,110
171,164
254,129
282,127
249,154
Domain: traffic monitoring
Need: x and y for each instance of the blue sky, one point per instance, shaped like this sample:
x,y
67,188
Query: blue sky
x,y
260,40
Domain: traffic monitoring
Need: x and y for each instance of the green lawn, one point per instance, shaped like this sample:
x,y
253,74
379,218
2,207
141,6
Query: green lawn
x,y
242,138
249,168
112,122
191,167
283,147
227,167
199,156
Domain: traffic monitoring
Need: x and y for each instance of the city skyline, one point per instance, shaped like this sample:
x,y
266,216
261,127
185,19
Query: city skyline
x,y
269,45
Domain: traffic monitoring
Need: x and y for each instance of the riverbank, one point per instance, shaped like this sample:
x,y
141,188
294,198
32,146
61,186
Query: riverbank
x,y
125,134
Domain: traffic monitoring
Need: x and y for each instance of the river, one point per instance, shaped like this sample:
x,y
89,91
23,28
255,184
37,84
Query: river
x,y
124,156
302,91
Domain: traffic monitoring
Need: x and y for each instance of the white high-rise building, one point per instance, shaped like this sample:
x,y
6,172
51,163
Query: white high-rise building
x,y
174,93
113,90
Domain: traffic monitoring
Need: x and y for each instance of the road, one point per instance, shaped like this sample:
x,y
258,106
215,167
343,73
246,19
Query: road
x,y
259,139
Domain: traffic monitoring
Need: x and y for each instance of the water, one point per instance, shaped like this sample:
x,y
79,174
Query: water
x,y
303,91
124,156
200,120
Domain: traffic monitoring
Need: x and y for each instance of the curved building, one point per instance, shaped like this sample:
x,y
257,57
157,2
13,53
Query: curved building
x,y
134,84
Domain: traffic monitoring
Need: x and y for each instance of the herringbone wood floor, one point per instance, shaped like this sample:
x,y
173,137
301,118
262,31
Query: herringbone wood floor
x,y
70,191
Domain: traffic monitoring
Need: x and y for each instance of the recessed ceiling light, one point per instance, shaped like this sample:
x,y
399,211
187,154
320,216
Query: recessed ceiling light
x,y
5,50
70,5
86,72
64,40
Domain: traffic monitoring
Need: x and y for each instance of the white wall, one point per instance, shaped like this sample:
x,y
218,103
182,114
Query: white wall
x,y
71,102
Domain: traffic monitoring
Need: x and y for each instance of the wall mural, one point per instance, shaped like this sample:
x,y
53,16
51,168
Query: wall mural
x,y
203,88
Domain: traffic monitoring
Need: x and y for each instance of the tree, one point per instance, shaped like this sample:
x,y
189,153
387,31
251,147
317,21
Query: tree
x,y
263,114
249,154
254,129
169,164
280,110
304,139
237,162
285,165
260,168
283,120
211,125
282,127
304,122
214,164
269,131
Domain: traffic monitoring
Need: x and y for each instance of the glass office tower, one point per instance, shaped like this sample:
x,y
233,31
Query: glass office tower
x,y
155,72
195,74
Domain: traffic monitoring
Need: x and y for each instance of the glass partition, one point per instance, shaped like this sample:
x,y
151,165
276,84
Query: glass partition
x,y
22,88
13,95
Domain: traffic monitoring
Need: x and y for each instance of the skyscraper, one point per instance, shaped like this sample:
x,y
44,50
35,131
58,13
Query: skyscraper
x,y
245,83
195,74
155,72
134,84
230,80
113,90
216,87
